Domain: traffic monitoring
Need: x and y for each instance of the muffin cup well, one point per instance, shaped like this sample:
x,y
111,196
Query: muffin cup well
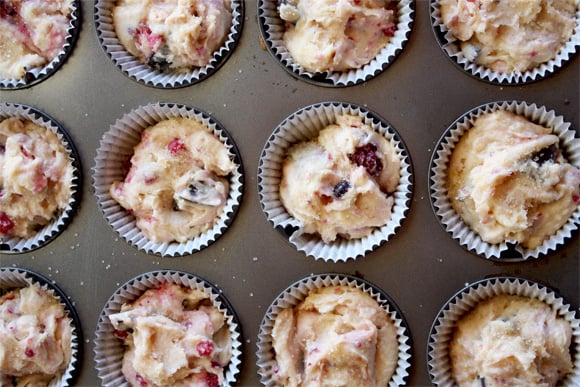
x,y
116,148
142,73
15,277
109,349
450,219
49,232
304,125
467,298
39,74
298,291
450,45
272,32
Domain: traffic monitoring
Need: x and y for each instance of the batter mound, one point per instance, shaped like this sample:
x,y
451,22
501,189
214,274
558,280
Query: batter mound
x,y
339,183
510,35
36,176
32,33
509,181
177,185
337,35
174,337
337,336
172,35
511,341
35,338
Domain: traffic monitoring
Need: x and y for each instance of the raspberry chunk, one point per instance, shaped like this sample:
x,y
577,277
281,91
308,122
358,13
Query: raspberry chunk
x,y
204,348
6,224
211,380
389,30
141,380
147,38
8,9
366,156
175,146
120,334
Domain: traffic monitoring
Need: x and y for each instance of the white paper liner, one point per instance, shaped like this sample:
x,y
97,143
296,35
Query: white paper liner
x,y
109,349
465,300
298,291
116,147
304,125
140,72
272,31
57,226
12,278
38,74
451,220
450,45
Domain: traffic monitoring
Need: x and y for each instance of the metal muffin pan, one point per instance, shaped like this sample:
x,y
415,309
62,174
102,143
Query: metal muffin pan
x,y
421,267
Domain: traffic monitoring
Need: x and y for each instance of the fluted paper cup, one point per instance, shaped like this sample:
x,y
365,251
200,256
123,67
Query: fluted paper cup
x,y
117,147
304,125
272,29
452,221
109,349
298,291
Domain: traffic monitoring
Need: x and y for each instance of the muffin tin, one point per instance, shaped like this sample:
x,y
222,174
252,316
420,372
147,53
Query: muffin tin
x,y
420,267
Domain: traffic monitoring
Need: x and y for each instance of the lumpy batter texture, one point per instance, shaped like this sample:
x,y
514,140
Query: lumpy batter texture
x,y
174,337
177,185
510,35
35,177
172,34
508,180
337,35
337,336
32,33
339,183
511,341
35,338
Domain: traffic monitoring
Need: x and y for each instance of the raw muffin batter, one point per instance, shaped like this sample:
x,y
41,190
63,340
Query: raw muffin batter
x,y
35,337
511,341
338,183
32,33
174,337
337,35
176,187
172,34
35,177
337,336
510,35
508,180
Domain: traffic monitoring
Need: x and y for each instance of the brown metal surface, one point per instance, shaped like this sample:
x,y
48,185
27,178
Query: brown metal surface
x,y
420,268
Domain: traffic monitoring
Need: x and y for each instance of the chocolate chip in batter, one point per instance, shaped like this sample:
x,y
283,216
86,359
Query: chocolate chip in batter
x,y
341,188
158,62
547,154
